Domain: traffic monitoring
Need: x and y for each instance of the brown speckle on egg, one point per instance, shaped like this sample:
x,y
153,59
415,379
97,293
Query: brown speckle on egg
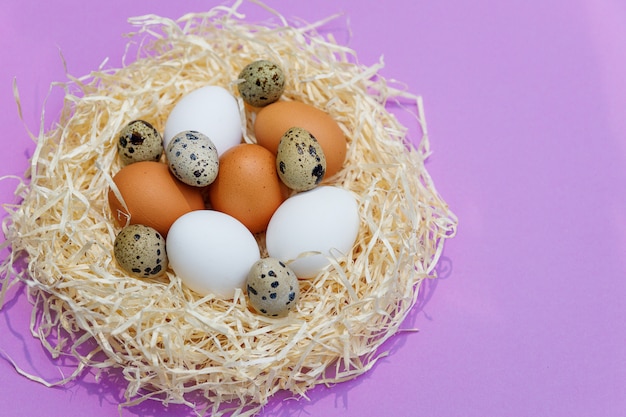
x,y
300,161
140,251
263,83
139,141
273,288
192,158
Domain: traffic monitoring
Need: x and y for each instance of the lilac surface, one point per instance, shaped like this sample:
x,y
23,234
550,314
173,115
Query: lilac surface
x,y
525,105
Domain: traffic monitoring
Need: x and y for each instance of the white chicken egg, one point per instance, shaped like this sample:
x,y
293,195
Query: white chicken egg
x,y
211,252
313,226
210,110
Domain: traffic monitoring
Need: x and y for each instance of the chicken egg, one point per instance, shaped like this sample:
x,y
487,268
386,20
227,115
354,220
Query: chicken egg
x,y
211,252
211,110
312,227
274,120
151,196
247,186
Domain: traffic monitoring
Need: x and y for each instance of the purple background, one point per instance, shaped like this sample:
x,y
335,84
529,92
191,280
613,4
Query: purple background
x,y
526,107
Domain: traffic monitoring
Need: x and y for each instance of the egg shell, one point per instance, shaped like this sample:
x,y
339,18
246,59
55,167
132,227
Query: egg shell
x,y
153,196
324,219
247,186
140,251
272,287
274,120
139,141
211,110
263,83
211,252
192,158
300,160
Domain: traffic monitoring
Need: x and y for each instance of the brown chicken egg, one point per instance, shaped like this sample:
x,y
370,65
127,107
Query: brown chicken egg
x,y
247,186
275,119
153,196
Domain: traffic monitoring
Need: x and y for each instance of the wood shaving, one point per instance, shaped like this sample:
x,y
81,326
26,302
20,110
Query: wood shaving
x,y
168,342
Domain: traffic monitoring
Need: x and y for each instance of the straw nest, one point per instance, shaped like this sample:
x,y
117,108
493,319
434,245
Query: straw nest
x,y
167,341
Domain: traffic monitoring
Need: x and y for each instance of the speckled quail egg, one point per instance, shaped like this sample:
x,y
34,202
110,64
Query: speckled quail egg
x,y
300,160
192,158
140,251
139,141
263,83
273,288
